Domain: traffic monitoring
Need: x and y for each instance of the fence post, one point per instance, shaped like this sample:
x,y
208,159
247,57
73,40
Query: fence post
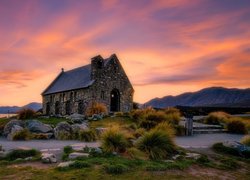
x,y
189,125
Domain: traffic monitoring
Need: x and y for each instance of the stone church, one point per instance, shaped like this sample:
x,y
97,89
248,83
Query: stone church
x,y
103,81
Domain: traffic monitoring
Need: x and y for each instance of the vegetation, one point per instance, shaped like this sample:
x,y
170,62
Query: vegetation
x,y
246,140
114,141
157,144
217,118
26,114
87,135
51,120
235,125
21,153
22,135
116,168
96,108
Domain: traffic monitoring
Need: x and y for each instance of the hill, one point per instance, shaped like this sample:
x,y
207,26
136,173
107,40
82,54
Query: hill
x,y
13,109
213,96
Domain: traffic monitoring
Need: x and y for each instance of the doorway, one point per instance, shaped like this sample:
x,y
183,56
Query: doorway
x,y
115,100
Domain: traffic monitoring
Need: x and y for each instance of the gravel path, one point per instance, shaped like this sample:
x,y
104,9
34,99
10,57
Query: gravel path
x,y
196,141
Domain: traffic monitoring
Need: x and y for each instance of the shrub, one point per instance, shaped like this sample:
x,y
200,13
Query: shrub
x,y
114,141
136,114
118,114
87,135
115,168
133,126
173,118
166,127
219,147
228,163
172,110
203,160
80,164
67,149
136,153
21,153
96,108
152,118
139,132
39,136
217,118
236,126
156,143
26,114
180,130
246,140
22,135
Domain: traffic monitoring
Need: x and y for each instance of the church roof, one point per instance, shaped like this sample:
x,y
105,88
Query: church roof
x,y
73,79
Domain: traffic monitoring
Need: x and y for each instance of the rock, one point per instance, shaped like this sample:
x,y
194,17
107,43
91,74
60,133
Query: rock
x,y
76,118
38,127
9,125
176,156
96,117
231,144
96,150
48,158
75,155
78,127
15,129
65,164
63,131
100,130
28,159
193,156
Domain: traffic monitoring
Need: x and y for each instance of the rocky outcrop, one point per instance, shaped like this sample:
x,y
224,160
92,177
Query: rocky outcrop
x,y
63,131
8,127
36,126
75,155
76,118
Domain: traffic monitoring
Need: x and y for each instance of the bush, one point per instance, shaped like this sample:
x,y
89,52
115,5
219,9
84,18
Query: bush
x,y
135,153
21,153
203,160
180,130
246,140
133,126
22,135
157,144
173,118
236,126
228,163
79,164
67,149
119,114
87,135
139,132
115,168
219,147
39,136
217,118
96,108
114,141
152,118
166,127
26,114
172,110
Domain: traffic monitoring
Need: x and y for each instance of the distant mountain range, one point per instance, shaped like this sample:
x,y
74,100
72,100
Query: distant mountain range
x,y
13,109
213,96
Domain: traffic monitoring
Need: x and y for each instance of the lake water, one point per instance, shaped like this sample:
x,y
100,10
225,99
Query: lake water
x,y
7,115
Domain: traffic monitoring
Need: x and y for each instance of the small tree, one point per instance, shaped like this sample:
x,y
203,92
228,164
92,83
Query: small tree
x,y
26,114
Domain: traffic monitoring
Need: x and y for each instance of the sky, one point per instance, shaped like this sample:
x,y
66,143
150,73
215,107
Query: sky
x,y
166,47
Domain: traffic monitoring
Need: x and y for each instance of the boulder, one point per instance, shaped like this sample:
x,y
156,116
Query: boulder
x,y
36,126
78,127
63,131
96,117
15,129
9,125
76,118
65,164
48,158
75,155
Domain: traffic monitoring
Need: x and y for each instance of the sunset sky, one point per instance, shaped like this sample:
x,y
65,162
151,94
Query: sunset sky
x,y
166,46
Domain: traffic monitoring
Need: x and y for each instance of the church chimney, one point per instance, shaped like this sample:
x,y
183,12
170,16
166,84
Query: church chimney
x,y
97,64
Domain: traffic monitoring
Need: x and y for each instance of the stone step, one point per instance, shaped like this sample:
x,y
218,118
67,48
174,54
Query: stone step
x,y
208,127
209,131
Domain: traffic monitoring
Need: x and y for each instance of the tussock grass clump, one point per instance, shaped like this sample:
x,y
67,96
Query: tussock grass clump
x,y
246,140
22,135
79,165
113,140
235,125
21,153
139,132
87,135
135,153
166,127
219,147
26,114
217,118
115,168
96,108
157,143
67,149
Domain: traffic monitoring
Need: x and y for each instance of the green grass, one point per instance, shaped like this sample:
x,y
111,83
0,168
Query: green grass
x,y
51,120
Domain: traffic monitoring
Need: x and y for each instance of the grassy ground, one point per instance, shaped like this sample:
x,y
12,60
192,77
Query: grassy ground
x,y
51,120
